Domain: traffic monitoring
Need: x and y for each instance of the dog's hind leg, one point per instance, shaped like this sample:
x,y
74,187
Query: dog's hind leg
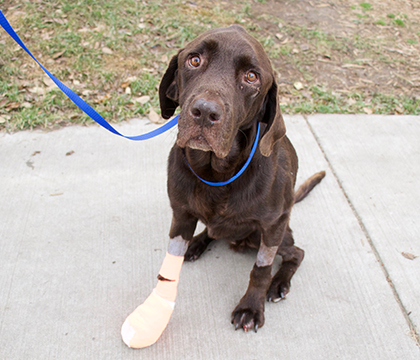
x,y
197,246
292,257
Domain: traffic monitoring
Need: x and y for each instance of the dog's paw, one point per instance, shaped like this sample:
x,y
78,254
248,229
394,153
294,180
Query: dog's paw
x,y
195,250
247,319
197,246
278,291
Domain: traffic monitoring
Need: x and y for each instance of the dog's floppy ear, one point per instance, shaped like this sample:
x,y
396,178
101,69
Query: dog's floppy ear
x,y
168,90
275,129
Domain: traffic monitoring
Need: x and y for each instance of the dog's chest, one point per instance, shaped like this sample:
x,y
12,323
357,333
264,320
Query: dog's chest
x,y
210,204
222,213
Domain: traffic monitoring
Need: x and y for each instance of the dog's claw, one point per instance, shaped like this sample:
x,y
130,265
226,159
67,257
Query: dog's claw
x,y
277,296
246,320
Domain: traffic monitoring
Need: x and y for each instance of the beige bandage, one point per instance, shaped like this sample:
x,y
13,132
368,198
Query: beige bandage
x,y
144,326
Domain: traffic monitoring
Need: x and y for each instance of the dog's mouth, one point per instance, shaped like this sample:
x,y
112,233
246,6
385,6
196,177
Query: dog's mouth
x,y
199,143
195,138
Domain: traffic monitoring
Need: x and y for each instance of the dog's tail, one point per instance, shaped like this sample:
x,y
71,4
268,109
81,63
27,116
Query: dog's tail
x,y
308,185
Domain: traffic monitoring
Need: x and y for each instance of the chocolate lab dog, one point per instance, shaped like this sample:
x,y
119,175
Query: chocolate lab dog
x,y
225,85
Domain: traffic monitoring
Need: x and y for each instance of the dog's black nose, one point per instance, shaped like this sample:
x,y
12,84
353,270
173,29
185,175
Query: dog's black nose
x,y
206,112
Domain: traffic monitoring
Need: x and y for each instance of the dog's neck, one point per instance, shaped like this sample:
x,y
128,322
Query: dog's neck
x,y
211,168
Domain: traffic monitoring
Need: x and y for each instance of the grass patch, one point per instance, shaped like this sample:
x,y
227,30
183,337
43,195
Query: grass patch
x,y
327,102
95,48
399,22
114,53
366,6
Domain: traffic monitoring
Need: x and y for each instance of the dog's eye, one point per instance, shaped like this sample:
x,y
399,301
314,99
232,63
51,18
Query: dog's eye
x,y
251,77
194,61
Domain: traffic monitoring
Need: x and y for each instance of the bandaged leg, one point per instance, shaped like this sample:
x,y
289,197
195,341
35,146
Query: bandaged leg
x,y
146,324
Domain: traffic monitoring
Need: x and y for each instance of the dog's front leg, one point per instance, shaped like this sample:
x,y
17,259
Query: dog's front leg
x,y
249,314
146,324
183,225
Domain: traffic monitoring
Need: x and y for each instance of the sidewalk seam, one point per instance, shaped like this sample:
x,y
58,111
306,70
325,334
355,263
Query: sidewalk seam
x,y
413,331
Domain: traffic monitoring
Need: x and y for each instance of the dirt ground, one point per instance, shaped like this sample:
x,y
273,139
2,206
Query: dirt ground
x,y
349,46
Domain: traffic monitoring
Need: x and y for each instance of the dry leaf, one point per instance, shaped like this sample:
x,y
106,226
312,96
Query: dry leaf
x,y
60,21
71,152
142,99
46,36
131,79
125,84
368,111
100,28
149,70
408,255
154,117
399,110
12,105
37,90
101,99
48,82
57,55
107,50
298,85
354,66
26,105
2,120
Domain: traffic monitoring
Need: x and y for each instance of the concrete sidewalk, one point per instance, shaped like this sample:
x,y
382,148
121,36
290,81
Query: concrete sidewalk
x,y
84,219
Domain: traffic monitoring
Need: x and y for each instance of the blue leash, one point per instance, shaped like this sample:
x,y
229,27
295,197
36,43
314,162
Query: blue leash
x,y
88,110
239,173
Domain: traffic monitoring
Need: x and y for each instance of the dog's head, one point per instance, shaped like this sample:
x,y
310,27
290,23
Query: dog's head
x,y
223,81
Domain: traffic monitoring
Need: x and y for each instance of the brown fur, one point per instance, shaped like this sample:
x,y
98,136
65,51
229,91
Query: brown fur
x,y
220,110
